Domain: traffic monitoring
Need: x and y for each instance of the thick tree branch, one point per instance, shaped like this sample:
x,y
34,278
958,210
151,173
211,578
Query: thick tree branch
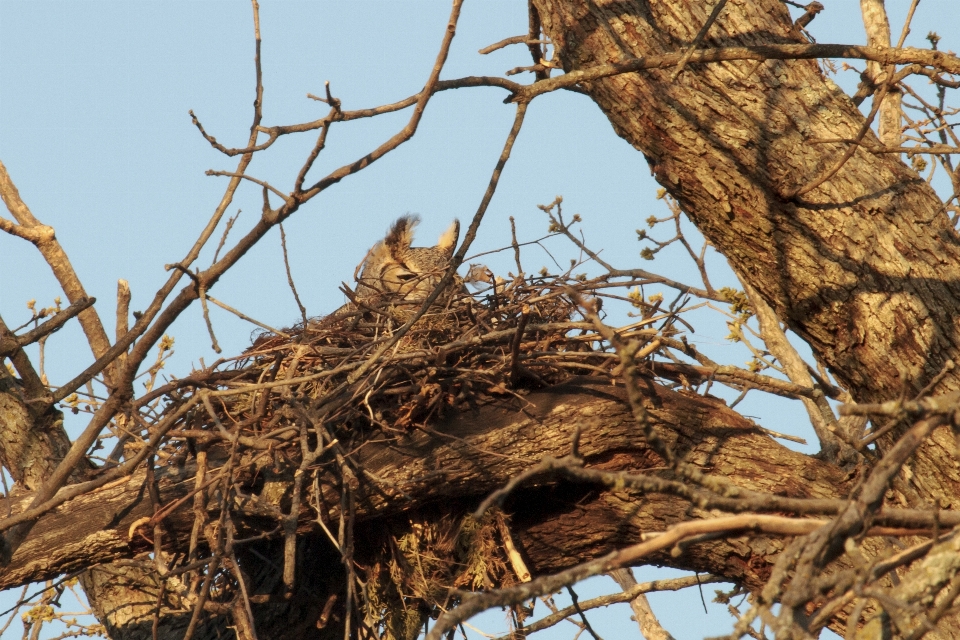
x,y
459,463
44,238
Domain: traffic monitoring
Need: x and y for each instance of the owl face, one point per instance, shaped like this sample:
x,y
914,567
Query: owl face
x,y
413,275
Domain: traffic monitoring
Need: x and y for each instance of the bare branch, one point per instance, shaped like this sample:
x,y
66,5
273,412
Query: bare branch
x,y
506,42
411,127
698,40
473,604
44,238
937,59
821,414
52,324
650,627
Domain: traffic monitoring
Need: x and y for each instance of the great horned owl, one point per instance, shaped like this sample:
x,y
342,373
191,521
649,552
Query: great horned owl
x,y
402,275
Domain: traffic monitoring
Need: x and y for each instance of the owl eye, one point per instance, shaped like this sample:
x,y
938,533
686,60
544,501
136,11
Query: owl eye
x,y
406,276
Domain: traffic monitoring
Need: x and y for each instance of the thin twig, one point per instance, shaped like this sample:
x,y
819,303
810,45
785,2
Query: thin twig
x,y
293,287
698,40
506,42
243,316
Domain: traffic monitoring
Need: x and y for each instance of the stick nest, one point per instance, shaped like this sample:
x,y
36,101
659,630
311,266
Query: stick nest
x,y
333,383
519,337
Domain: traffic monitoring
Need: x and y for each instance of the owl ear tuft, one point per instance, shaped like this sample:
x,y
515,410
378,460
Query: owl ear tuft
x,y
448,239
400,236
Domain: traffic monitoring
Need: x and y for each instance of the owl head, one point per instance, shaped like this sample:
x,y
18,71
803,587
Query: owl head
x,y
396,270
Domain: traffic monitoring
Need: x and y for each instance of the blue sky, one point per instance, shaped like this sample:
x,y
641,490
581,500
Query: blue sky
x,y
94,131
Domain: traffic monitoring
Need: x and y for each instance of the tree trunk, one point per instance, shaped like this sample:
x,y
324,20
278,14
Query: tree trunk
x,y
865,267
858,258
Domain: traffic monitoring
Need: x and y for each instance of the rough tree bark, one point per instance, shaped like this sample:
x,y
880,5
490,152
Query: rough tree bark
x,y
865,267
858,257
